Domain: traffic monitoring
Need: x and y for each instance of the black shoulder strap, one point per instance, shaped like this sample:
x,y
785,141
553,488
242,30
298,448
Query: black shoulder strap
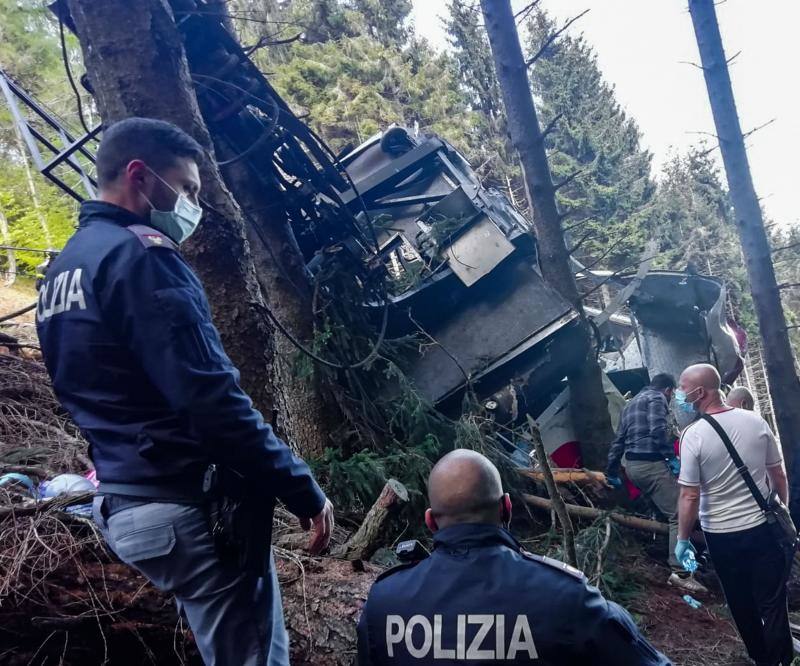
x,y
737,460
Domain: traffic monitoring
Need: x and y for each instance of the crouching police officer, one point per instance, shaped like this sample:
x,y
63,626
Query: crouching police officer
x,y
189,472
480,598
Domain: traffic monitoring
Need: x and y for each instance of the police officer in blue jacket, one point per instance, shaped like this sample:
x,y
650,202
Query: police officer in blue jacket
x,y
127,338
481,599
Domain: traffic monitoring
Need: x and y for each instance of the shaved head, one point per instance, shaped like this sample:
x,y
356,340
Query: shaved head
x,y
701,375
702,383
741,397
465,487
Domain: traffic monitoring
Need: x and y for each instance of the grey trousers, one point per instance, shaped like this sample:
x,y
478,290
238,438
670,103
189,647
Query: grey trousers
x,y
236,617
660,486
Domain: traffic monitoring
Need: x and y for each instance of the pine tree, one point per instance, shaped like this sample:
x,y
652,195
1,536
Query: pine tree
x,y
594,149
489,149
692,220
361,70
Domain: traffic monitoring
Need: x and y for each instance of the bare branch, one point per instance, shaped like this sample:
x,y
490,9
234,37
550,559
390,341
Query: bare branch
x,y
711,134
583,239
693,64
523,13
580,223
553,38
551,125
267,40
755,129
733,57
785,247
788,285
568,179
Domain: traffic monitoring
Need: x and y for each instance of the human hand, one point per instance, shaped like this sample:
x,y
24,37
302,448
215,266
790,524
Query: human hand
x,y
682,548
674,465
321,527
614,481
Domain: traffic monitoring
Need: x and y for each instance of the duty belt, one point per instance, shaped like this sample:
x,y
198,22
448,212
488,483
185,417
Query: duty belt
x,y
167,492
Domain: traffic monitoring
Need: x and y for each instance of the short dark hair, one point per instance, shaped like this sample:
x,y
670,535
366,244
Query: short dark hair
x,y
663,381
155,142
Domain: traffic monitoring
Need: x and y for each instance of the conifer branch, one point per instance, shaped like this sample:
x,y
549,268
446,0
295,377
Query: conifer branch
x,y
553,38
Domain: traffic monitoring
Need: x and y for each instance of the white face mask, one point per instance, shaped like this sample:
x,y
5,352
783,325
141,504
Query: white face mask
x,y
178,223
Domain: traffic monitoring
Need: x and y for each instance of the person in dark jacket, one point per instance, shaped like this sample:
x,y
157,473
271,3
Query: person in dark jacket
x,y
481,599
127,337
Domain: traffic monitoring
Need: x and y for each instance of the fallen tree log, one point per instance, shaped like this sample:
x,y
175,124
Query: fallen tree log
x,y
633,522
363,544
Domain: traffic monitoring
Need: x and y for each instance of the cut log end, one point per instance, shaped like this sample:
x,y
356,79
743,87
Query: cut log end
x,y
367,538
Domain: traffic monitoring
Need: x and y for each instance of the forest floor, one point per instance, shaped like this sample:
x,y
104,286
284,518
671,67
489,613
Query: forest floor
x,y
64,599
22,293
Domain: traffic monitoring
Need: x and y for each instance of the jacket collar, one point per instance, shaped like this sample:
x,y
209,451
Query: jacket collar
x,y
108,212
473,535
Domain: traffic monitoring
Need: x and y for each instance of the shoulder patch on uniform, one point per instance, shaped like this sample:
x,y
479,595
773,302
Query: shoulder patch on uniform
x,y
395,569
555,564
150,237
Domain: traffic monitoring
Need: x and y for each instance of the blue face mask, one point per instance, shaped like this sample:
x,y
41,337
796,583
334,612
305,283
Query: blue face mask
x,y
683,404
178,223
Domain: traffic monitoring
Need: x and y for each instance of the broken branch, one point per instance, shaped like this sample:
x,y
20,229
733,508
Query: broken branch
x,y
557,501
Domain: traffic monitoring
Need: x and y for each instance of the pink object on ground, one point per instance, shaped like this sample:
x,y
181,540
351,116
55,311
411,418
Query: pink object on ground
x,y
92,476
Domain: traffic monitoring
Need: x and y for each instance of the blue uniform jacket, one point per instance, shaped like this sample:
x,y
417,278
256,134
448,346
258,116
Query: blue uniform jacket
x,y
127,338
480,599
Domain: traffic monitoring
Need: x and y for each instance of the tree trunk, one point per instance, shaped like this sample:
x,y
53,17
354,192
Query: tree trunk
x,y
588,402
137,65
783,380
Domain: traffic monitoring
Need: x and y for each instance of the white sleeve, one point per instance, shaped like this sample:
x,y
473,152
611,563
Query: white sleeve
x,y
690,458
774,452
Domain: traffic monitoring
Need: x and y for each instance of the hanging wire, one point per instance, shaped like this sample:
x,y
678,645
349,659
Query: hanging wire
x,y
337,366
65,58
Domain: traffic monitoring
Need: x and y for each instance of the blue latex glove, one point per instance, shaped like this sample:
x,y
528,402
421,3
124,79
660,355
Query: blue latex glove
x,y
674,465
614,481
682,547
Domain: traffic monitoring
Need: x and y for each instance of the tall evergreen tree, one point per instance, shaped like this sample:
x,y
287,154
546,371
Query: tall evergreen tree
x,y
594,149
360,69
692,220
489,150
